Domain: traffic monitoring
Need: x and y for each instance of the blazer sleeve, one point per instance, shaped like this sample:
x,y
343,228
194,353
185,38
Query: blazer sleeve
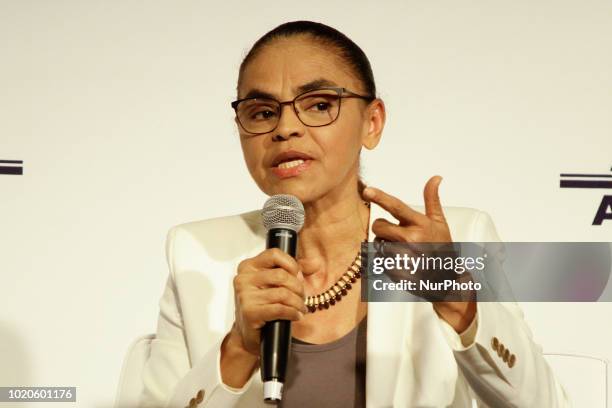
x,y
170,379
499,359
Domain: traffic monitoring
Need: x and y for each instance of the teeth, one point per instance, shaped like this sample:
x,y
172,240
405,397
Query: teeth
x,y
288,165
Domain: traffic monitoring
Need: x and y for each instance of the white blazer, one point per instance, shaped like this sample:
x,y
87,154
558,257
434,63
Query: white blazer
x,y
414,359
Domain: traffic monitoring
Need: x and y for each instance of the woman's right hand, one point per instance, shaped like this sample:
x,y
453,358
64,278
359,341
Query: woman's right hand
x,y
266,288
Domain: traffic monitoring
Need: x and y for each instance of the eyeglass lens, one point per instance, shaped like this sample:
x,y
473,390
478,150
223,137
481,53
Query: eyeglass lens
x,y
315,108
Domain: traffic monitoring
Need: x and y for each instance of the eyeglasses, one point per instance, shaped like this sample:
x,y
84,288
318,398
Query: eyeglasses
x,y
316,108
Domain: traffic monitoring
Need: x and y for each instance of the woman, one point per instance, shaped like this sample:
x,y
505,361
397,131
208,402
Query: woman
x,y
306,106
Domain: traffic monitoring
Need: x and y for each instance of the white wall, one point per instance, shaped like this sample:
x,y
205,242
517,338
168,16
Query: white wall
x,y
120,111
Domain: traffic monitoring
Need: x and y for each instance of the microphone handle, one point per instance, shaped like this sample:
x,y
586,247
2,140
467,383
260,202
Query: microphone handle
x,y
276,334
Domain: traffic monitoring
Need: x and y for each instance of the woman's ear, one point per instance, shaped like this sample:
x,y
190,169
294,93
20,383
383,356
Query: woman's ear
x,y
375,121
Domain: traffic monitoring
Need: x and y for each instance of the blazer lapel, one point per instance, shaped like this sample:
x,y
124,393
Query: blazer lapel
x,y
385,336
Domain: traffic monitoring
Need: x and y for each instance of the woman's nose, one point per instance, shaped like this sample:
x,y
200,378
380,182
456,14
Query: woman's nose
x,y
288,124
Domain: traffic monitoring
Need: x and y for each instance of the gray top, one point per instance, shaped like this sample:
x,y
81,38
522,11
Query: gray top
x,y
327,375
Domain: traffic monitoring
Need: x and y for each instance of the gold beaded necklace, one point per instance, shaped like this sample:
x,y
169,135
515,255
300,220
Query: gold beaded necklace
x,y
341,287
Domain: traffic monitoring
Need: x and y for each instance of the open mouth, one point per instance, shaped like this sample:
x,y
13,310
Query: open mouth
x,y
289,159
290,164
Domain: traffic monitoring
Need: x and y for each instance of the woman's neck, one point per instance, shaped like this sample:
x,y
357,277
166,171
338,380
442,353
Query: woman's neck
x,y
330,238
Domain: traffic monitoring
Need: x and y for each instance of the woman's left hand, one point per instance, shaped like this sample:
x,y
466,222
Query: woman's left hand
x,y
417,227
413,225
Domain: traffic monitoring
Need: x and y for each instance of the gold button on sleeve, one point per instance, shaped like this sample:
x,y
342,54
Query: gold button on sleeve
x,y
200,396
511,361
494,343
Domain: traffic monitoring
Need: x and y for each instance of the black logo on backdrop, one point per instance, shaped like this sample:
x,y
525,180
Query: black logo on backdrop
x,y
14,167
604,212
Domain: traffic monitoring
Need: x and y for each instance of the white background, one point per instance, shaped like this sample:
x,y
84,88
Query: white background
x,y
120,111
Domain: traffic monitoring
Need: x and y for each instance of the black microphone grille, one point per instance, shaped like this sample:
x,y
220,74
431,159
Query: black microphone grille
x,y
283,211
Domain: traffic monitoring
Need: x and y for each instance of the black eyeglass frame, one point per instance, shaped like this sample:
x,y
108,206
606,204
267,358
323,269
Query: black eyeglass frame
x,y
342,93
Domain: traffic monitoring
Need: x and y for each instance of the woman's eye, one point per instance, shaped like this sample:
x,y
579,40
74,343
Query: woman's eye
x,y
263,115
319,103
322,106
319,106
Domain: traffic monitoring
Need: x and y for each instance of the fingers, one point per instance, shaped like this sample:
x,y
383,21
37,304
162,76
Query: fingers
x,y
278,311
279,295
256,316
396,207
406,215
266,288
268,277
387,230
278,277
433,207
274,257
256,306
261,305
392,232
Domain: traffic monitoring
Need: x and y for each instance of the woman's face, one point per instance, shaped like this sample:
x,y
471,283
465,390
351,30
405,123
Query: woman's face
x,y
282,70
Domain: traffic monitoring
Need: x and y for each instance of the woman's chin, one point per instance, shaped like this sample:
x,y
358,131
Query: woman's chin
x,y
301,190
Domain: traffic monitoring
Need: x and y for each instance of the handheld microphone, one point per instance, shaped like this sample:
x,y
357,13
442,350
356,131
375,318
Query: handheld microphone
x,y
283,217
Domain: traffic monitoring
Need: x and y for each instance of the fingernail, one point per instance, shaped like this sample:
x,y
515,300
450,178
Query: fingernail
x,y
301,315
368,192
